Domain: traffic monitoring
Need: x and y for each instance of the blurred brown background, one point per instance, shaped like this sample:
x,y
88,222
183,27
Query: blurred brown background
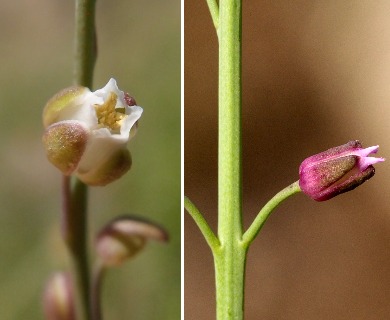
x,y
316,74
139,45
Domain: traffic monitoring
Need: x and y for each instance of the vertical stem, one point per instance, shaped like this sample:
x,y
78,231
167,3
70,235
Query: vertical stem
x,y
230,279
230,258
74,218
74,231
229,140
85,42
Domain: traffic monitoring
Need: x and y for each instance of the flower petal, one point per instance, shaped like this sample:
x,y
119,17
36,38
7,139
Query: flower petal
x,y
61,101
365,162
134,114
114,166
105,92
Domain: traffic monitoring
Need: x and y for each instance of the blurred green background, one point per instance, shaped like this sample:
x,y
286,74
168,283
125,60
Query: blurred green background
x,y
139,45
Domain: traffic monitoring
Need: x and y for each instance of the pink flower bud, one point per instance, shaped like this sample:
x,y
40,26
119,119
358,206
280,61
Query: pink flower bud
x,y
125,237
58,298
337,170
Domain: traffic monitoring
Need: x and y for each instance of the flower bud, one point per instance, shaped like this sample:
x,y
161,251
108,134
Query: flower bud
x,y
337,170
124,237
58,298
65,143
87,132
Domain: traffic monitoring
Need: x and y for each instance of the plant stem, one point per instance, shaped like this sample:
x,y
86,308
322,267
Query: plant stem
x,y
230,279
85,42
74,231
266,211
229,260
208,234
75,193
229,138
214,11
230,247
96,290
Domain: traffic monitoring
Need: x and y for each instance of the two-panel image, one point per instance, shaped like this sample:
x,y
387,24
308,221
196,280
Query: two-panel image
x,y
197,159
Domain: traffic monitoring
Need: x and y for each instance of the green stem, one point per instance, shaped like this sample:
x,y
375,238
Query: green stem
x,y
214,11
230,259
266,211
229,138
74,218
85,42
230,253
208,234
74,231
229,266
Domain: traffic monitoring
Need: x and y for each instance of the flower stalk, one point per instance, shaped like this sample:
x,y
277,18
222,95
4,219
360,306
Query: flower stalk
x,y
266,211
214,11
96,290
204,227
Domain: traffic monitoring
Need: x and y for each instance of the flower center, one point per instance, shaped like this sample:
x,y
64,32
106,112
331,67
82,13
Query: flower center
x,y
108,116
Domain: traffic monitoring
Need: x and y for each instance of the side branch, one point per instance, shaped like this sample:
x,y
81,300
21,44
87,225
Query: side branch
x,y
266,211
208,234
214,11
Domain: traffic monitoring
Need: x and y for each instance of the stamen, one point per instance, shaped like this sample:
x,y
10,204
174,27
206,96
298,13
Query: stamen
x,y
108,116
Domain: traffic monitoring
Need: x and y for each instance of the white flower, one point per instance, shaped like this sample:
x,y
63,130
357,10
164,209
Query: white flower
x,y
87,132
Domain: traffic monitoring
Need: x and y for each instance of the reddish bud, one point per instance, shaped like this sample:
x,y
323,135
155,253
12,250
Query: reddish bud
x,y
337,170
